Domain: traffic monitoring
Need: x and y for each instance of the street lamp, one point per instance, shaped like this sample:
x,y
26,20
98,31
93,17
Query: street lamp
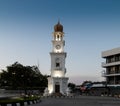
x,y
24,86
13,83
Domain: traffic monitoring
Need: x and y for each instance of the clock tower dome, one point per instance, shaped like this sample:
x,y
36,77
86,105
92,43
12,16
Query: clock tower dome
x,y
57,82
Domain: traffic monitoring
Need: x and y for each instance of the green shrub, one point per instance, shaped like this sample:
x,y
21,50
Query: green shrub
x,y
18,99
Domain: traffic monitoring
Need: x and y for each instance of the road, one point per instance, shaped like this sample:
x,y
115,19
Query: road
x,y
80,101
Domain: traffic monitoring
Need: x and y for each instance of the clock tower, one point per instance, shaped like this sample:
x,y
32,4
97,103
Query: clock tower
x,y
57,82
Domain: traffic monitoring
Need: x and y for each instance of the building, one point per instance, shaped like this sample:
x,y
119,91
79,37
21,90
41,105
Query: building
x,y
57,82
112,66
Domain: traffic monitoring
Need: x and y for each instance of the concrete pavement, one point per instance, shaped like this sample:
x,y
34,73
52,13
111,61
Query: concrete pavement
x,y
80,101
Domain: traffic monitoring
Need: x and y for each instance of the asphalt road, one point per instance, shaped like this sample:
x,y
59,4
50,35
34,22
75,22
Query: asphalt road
x,y
80,101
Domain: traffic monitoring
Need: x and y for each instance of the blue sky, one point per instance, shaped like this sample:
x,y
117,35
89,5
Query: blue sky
x,y
90,26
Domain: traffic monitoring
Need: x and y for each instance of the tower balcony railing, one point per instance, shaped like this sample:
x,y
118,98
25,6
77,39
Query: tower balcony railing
x,y
58,68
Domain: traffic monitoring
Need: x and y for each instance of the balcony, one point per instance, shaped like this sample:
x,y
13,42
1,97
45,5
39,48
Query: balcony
x,y
113,82
112,73
110,64
104,74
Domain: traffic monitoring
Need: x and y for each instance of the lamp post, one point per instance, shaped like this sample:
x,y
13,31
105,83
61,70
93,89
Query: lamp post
x,y
23,84
13,83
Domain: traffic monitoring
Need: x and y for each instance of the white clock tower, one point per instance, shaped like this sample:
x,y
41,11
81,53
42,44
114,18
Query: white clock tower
x,y
57,82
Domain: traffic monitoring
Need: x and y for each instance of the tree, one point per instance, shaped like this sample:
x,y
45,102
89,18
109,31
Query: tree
x,y
18,76
71,86
86,83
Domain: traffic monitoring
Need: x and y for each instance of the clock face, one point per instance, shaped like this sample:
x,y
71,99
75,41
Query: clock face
x,y
58,46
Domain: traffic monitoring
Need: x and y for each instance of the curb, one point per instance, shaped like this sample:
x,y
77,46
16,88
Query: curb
x,y
23,103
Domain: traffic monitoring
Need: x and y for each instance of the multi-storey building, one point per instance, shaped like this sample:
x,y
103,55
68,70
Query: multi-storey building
x,y
112,66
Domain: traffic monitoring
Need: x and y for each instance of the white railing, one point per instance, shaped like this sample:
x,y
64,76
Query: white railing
x,y
104,64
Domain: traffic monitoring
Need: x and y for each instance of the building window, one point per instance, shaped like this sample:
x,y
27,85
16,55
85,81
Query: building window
x,y
112,70
119,68
111,80
116,58
119,58
112,59
109,59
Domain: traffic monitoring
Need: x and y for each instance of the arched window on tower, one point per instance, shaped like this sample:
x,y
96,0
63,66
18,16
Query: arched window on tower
x,y
57,37
57,64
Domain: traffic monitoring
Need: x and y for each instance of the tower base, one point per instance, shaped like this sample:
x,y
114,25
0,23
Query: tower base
x,y
57,85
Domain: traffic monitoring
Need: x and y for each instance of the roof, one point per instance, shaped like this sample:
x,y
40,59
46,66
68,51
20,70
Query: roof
x,y
111,52
58,27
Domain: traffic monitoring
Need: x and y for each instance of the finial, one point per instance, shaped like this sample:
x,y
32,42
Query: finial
x,y
58,21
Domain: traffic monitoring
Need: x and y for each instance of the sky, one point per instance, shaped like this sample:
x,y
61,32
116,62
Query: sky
x,y
90,26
